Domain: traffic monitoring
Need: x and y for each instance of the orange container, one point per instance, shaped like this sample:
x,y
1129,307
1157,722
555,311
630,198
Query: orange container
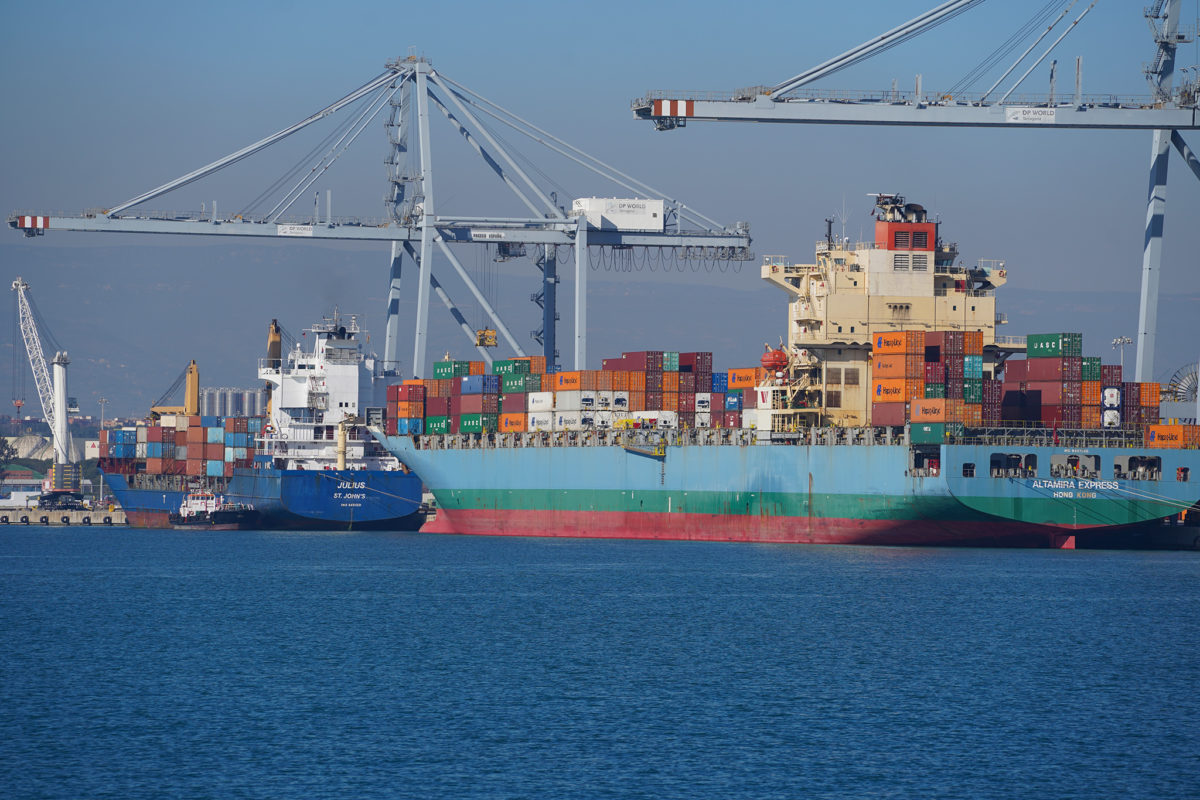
x,y
973,343
637,401
410,409
743,378
914,342
955,410
893,342
670,401
1151,395
537,364
478,367
1164,435
604,381
671,382
1191,435
1091,393
889,366
914,366
513,423
916,389
567,381
888,390
927,410
1091,416
972,415
620,380
413,382
637,381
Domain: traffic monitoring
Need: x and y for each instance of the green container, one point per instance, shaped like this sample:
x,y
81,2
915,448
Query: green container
x,y
955,428
934,391
437,424
973,390
927,432
1054,345
1091,368
510,367
670,362
515,384
478,423
451,369
533,383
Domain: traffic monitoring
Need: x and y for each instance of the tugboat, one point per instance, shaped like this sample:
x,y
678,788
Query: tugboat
x,y
204,509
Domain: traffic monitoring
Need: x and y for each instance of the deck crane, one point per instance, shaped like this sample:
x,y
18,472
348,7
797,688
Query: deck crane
x,y
1166,112
62,488
411,94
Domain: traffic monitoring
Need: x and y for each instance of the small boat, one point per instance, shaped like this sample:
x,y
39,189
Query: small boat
x,y
202,509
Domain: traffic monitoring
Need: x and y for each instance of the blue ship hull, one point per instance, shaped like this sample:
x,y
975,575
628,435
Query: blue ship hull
x,y
285,499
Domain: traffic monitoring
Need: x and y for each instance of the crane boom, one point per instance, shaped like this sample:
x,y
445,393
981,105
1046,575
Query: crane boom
x,y
33,346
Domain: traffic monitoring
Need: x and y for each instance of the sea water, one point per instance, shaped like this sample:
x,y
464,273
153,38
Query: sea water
x,y
365,665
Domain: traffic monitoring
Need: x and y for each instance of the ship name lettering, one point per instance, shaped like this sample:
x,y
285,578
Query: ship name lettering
x,y
351,485
1064,494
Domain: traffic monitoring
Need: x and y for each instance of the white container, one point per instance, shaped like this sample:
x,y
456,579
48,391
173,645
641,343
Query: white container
x,y
604,401
567,421
1110,397
620,214
568,401
604,419
1110,418
703,419
540,401
141,436
139,450
168,420
182,422
620,401
703,403
541,421
657,419
588,399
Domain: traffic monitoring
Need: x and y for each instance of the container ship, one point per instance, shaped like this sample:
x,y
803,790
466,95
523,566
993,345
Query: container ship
x,y
893,415
308,464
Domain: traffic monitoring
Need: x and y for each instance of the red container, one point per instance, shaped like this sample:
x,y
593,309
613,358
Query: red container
x,y
654,381
935,372
514,404
955,343
410,393
644,360
1131,394
888,414
437,406
687,419
954,389
389,425
478,404
195,466
1110,374
653,401
733,419
700,363
685,401
687,382
196,435
214,452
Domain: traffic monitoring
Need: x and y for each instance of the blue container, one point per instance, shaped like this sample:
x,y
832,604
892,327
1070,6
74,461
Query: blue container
x,y
733,402
229,438
973,367
211,422
216,436
263,458
411,426
720,383
255,425
214,469
480,384
154,450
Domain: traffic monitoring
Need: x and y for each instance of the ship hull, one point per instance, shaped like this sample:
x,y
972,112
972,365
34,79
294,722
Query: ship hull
x,y
288,499
818,494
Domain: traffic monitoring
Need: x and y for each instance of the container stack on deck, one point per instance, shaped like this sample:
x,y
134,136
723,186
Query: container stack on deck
x,y
1057,386
643,388
933,379
181,445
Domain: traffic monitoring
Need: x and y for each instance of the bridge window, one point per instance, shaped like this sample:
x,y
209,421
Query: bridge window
x,y
1074,466
1013,465
1183,474
833,399
851,376
833,375
1137,468
968,470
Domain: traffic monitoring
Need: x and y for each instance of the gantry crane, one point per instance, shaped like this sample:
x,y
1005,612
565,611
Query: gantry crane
x,y
412,91
63,485
1166,112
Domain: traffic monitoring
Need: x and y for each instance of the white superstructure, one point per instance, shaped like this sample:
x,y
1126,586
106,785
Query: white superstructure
x,y
316,391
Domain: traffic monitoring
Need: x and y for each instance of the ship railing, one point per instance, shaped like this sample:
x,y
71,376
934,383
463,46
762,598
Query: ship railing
x,y
1011,341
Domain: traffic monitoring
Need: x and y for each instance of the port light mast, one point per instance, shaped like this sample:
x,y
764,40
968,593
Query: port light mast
x,y
410,95
1166,112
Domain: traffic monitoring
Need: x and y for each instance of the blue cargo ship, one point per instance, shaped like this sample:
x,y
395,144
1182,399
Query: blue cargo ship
x,y
309,464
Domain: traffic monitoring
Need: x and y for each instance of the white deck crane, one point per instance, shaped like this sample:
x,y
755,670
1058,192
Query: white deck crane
x,y
1166,112
65,478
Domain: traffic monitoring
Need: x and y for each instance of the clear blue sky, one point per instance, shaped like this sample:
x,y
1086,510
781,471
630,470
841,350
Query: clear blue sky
x,y
105,100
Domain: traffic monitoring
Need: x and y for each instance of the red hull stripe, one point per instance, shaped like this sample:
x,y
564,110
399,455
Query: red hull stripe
x,y
725,528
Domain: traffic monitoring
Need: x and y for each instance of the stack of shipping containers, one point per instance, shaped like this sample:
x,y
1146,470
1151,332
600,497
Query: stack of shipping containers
x,y
182,445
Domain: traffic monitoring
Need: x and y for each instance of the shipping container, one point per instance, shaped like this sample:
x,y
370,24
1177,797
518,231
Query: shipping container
x,y
478,423
1091,369
889,390
479,384
927,433
935,390
888,414
437,424
894,342
932,410
888,366
510,367
620,214
513,423
1110,374
1054,344
743,378
451,369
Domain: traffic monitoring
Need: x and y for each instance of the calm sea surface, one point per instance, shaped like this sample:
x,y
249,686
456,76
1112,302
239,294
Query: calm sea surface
x,y
235,664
